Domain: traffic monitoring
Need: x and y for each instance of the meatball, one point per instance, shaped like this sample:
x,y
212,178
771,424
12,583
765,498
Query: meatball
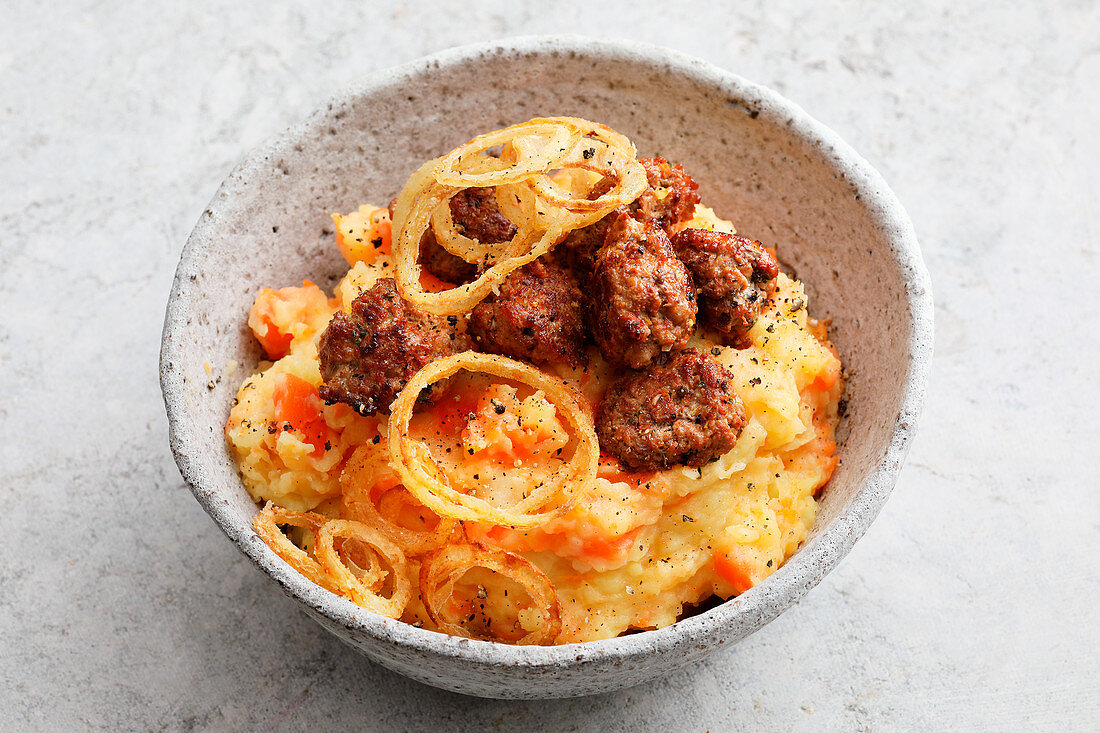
x,y
444,265
681,410
538,315
643,300
734,277
671,195
669,199
476,215
578,250
369,353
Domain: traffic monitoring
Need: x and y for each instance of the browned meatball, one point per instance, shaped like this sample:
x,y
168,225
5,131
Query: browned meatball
x,y
476,215
369,353
734,277
578,250
671,195
538,315
643,301
674,204
681,410
444,265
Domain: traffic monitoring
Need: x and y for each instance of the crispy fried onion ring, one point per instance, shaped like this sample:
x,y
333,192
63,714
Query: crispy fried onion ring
x,y
267,524
600,150
368,470
469,249
542,211
537,145
335,570
443,568
365,592
424,478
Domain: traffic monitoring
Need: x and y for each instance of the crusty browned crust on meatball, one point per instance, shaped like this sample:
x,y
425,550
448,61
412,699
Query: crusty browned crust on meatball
x,y
734,276
681,410
671,195
539,315
643,300
476,215
368,353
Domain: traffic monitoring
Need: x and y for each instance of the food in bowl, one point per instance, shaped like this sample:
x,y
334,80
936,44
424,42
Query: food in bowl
x,y
554,399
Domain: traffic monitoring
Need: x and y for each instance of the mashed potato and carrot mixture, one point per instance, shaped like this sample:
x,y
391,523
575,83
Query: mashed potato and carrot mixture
x,y
554,399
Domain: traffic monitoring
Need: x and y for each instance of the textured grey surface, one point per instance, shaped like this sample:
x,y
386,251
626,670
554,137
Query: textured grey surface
x,y
969,604
788,181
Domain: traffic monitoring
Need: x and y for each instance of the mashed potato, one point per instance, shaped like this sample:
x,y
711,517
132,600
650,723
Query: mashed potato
x,y
639,547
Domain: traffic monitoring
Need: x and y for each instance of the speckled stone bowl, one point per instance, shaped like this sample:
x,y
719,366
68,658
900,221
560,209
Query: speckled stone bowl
x,y
780,175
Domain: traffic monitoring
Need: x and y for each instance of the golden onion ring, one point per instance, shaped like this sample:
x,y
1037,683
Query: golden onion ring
x,y
412,192
443,568
353,587
542,213
629,176
367,469
464,297
469,249
373,575
604,151
538,145
266,524
423,478
412,216
474,251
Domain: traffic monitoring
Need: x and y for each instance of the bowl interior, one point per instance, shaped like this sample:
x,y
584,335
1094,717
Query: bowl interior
x,y
759,161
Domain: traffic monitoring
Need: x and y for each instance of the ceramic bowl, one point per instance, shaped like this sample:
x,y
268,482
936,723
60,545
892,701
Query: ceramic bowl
x,y
759,159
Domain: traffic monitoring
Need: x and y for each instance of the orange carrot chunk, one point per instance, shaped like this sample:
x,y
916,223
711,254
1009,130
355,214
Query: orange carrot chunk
x,y
298,408
730,571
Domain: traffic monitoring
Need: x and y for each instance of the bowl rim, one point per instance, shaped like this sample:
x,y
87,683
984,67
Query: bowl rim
x,y
761,604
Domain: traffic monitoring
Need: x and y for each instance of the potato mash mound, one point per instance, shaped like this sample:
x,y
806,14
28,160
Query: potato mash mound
x,y
637,547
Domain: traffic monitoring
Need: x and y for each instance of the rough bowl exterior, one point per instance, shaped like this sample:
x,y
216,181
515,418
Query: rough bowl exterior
x,y
760,160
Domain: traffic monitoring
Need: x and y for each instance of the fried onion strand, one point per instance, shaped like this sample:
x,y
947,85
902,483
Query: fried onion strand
x,y
266,524
542,212
368,470
442,569
359,592
423,477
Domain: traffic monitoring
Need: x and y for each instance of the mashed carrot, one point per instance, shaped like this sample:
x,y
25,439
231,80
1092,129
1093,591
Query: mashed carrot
x,y
636,548
281,318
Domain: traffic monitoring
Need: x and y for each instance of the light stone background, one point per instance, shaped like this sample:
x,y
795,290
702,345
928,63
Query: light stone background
x,y
970,604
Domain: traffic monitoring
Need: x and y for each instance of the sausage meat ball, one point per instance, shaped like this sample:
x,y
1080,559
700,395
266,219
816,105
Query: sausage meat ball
x,y
444,265
643,300
476,215
734,276
369,353
578,250
669,199
671,195
681,410
538,315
